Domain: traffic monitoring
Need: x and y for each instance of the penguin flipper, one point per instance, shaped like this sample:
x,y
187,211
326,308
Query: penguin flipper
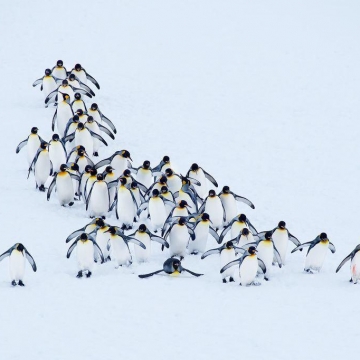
x,y
75,234
211,252
293,239
150,274
86,88
191,232
69,137
300,247
230,264
142,207
261,265
332,247
103,162
244,200
108,121
192,273
7,253
51,187
31,260
51,95
106,131
89,77
210,178
98,250
97,136
159,240
89,196
251,226
338,268
81,91
37,82
71,248
74,176
214,234
135,241
21,145
277,256
224,232
194,181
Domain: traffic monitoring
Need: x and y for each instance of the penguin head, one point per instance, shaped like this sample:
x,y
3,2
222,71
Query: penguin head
x,y
242,217
94,107
163,180
134,185
20,247
164,189
44,145
88,168
81,152
182,221
77,96
83,237
184,180
226,189
166,159
252,250
93,172
169,172
155,193
59,63
112,230
56,137
75,118
123,181
47,72
127,172
282,225
268,235
245,232
63,167
72,77
66,97
65,83
78,67
99,177
34,130
74,166
205,217
194,167
79,112
183,204
109,169
323,236
212,193
229,245
80,126
142,228
100,222
146,164
176,264
90,119
125,154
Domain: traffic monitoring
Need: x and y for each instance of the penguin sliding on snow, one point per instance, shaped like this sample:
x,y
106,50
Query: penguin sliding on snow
x,y
172,267
98,200
17,255
86,253
354,258
33,142
317,252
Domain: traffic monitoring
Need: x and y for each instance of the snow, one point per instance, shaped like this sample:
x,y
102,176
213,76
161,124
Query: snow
x,y
264,96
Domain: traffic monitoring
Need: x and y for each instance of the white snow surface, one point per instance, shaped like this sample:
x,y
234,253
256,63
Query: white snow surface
x,y
264,95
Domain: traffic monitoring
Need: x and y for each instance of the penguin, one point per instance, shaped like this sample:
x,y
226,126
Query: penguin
x,y
267,252
172,267
74,169
156,209
62,115
119,246
109,176
281,237
228,252
83,160
248,267
179,233
83,178
59,71
70,127
198,173
119,161
87,250
64,186
92,125
202,229
98,201
33,142
41,165
354,258
78,103
158,184
48,83
88,229
144,174
129,179
57,152
72,154
228,199
214,207
317,252
164,164
173,182
83,75
179,210
98,116
139,197
236,225
17,255
168,195
90,180
144,235
245,238
188,193
77,83
102,238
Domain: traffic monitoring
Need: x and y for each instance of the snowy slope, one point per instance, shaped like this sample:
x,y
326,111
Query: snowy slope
x,y
264,96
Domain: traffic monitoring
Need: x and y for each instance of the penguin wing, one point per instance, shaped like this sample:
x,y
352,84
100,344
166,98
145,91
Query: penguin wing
x,y
76,233
300,247
34,161
89,161
97,136
159,240
261,265
7,253
293,239
231,263
224,211
191,232
350,256
225,231
191,272
107,121
81,91
106,131
277,256
202,207
251,226
113,183
261,235
141,186
31,260
194,181
134,200
332,247
51,95
37,82
142,207
51,187
168,231
150,274
167,201
210,178
244,200
214,234
86,87
89,196
135,241
89,77
212,252
104,162
70,137
98,250
53,120
71,248
239,250
21,145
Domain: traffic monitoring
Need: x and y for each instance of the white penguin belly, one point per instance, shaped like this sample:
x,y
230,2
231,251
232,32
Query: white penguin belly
x,y
140,253
201,236
244,240
187,198
96,116
17,265
84,138
236,228
157,212
49,85
119,164
85,255
125,206
82,162
64,114
355,267
57,155
42,168
179,238
78,105
66,90
119,252
316,256
59,73
145,177
81,75
174,183
215,210
94,128
248,270
266,254
230,207
64,188
226,256
102,239
99,200
33,145
199,175
281,241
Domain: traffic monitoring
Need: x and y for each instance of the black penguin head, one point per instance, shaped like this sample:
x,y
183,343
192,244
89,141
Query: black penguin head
x,y
282,224
80,126
212,193
226,189
155,193
205,216
93,172
142,228
323,236
34,130
74,166
56,137
20,247
47,72
65,83
83,237
252,250
88,168
229,245
125,154
163,180
112,230
90,119
166,159
183,203
63,167
81,152
245,232
79,112
99,177
169,172
77,67
176,264
76,118
146,164
123,181
72,77
100,222
80,147
59,63
194,167
164,189
182,221
126,172
242,217
94,107
66,97
109,169
43,145
134,185
77,96
268,235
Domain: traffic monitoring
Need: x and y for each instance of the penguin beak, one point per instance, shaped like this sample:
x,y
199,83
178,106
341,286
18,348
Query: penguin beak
x,y
210,221
130,158
188,206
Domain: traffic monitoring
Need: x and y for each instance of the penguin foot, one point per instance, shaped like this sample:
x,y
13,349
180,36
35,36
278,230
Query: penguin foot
x,y
79,275
309,271
96,153
148,216
181,258
351,280
21,283
108,258
88,274
71,203
123,227
103,217
92,217
224,281
231,279
42,188
266,278
135,219
256,283
194,252
13,283
155,231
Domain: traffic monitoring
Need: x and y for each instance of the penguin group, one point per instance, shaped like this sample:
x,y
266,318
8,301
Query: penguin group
x,y
150,204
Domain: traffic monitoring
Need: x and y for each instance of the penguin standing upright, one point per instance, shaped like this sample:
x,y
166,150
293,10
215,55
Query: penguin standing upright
x,y
317,252
17,255
62,114
98,116
245,238
119,161
236,225
174,182
102,237
78,103
83,75
83,178
109,176
98,201
48,83
144,174
213,206
90,180
57,152
33,142
41,166
199,174
77,84
354,258
59,71
82,159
